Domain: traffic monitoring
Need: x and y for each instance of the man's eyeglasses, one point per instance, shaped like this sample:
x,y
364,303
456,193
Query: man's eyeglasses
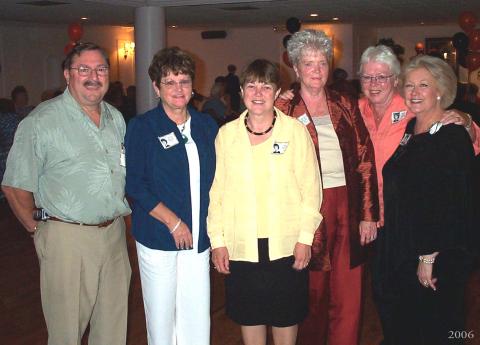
x,y
85,71
170,84
381,79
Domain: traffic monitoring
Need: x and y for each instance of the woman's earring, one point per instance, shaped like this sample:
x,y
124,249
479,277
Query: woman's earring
x,y
439,98
193,93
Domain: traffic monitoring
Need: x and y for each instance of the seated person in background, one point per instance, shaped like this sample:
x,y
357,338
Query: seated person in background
x,y
8,125
218,103
20,100
341,83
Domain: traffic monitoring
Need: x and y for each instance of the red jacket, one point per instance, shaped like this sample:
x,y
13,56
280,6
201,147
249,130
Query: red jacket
x,y
359,166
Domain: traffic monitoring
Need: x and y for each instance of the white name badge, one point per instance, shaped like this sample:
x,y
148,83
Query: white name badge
x,y
169,140
279,148
397,116
304,119
405,139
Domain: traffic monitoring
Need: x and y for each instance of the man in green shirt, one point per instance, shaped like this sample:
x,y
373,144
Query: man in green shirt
x,y
68,160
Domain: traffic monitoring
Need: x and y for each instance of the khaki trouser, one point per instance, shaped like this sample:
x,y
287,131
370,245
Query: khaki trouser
x,y
84,277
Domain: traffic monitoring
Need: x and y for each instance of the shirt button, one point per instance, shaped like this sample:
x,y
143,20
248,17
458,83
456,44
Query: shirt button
x,y
106,151
111,171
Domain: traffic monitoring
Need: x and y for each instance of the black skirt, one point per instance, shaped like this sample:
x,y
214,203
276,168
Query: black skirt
x,y
266,293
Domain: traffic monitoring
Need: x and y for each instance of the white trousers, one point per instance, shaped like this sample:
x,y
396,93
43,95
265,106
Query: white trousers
x,y
176,295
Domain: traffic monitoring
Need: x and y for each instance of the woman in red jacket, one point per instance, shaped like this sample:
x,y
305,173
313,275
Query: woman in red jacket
x,y
350,206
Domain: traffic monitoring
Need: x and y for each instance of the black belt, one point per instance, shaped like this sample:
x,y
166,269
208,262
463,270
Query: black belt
x,y
39,214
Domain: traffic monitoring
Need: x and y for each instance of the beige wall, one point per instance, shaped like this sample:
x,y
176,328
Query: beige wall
x,y
30,53
408,36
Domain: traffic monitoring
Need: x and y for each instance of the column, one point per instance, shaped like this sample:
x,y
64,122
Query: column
x,y
150,37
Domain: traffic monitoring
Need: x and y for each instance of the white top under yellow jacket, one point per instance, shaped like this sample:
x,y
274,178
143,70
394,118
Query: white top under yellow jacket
x,y
293,185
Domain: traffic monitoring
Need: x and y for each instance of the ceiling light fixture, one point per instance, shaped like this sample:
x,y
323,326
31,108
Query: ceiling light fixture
x,y
313,14
335,18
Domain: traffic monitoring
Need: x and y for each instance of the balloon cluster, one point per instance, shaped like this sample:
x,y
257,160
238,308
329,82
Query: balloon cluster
x,y
467,43
75,33
293,25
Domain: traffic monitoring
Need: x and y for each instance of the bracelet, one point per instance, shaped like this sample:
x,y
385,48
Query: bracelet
x,y
176,226
426,260
469,126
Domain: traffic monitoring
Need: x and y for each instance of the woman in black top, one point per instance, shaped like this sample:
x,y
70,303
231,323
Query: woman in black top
x,y
428,197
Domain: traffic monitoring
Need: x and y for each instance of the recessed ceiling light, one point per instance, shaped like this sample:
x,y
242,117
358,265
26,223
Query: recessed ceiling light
x,y
173,26
422,23
84,18
313,14
335,18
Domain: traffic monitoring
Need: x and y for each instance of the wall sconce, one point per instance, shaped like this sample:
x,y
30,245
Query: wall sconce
x,y
128,48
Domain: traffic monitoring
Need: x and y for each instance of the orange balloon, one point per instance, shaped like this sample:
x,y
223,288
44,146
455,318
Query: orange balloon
x,y
467,21
474,40
419,47
473,61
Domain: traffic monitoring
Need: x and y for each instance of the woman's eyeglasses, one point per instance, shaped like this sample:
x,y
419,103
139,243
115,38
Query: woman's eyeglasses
x,y
381,79
171,84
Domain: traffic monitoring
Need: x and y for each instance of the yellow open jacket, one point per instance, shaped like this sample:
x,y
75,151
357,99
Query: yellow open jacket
x,y
294,190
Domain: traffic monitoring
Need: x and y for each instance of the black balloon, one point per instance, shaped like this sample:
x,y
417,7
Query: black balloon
x,y
285,40
293,25
460,41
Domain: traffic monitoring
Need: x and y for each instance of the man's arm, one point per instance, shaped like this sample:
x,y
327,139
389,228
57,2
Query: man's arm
x,y
22,204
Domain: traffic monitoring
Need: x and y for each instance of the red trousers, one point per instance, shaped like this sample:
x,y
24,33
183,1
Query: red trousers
x,y
334,296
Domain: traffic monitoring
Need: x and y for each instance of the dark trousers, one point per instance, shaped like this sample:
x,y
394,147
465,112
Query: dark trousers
x,y
414,315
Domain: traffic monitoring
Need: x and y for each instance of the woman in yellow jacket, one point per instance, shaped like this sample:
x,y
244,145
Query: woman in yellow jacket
x,y
264,210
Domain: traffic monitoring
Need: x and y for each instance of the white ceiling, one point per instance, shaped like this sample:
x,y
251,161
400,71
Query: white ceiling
x,y
227,13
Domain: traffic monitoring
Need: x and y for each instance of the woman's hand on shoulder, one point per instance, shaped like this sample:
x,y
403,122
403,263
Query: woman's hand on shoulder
x,y
457,117
302,254
286,95
220,259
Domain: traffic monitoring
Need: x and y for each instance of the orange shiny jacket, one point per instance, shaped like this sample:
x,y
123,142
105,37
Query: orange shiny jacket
x,y
359,166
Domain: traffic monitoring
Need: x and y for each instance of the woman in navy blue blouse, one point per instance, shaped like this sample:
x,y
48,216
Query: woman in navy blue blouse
x,y
170,167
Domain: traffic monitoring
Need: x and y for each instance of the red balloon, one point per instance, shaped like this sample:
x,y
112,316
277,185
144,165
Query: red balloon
x,y
75,32
474,40
473,61
68,47
286,60
467,21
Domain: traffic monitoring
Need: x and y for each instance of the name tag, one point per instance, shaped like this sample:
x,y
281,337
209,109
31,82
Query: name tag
x,y
405,139
397,116
304,119
279,148
123,163
169,140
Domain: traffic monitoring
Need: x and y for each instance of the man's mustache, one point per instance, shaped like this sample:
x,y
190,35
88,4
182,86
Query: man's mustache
x,y
93,83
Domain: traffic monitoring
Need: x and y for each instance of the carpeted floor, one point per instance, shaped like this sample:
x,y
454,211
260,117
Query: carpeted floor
x,y
22,323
